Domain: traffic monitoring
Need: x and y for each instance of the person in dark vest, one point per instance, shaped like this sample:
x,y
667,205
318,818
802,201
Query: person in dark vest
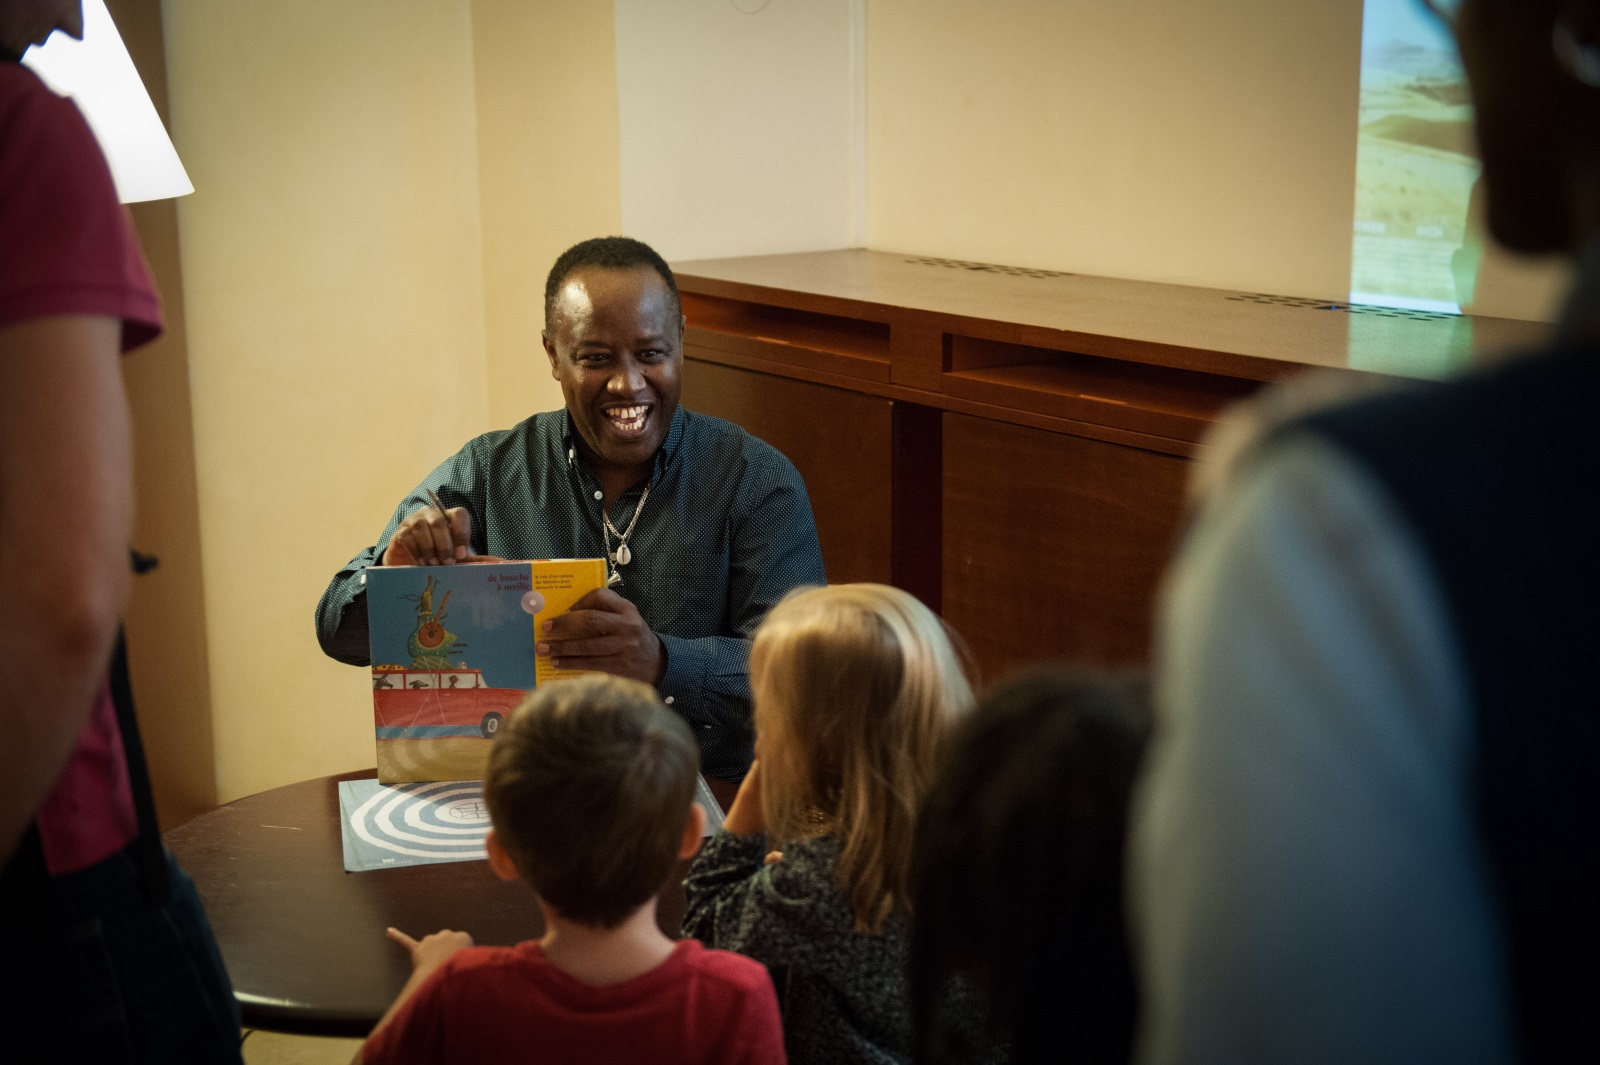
x,y
107,953
1367,828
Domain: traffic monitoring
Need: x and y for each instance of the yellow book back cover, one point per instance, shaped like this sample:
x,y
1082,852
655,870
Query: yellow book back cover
x,y
561,582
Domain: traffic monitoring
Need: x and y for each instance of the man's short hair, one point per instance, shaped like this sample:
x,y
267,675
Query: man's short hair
x,y
589,786
607,253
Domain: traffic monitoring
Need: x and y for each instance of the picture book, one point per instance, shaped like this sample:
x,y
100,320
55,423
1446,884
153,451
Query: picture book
x,y
411,824
452,656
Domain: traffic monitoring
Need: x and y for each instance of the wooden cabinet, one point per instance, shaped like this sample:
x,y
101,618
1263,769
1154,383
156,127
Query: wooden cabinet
x,y
1011,445
839,440
1053,543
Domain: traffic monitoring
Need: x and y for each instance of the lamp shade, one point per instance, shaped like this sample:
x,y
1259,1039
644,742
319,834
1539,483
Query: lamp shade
x,y
99,76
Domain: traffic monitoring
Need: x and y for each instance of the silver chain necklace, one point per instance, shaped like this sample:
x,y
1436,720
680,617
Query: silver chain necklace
x,y
623,555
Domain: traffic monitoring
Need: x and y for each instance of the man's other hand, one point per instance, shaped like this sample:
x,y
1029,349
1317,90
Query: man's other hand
x,y
604,632
426,539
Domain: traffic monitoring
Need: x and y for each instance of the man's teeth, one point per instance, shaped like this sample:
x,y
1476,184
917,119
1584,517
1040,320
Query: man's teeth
x,y
628,419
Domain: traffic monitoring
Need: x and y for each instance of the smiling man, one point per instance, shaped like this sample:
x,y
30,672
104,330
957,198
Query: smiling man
x,y
703,526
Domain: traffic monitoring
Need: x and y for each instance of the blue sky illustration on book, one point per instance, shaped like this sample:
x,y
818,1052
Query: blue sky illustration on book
x,y
478,608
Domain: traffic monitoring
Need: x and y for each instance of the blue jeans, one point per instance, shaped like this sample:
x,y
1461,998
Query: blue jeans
x,y
104,978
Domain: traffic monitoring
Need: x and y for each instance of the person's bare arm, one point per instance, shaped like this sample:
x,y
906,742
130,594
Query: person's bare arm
x,y
427,954
66,508
745,816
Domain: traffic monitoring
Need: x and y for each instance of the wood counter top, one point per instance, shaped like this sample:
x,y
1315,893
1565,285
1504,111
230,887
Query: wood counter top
x,y
1237,334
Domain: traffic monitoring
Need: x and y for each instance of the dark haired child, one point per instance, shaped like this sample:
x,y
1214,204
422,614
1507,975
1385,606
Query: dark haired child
x,y
1017,873
590,789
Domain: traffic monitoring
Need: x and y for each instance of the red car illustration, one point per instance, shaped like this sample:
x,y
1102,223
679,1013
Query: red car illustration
x,y
416,703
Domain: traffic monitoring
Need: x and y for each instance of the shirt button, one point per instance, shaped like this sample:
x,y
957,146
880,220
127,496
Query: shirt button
x,y
669,700
599,494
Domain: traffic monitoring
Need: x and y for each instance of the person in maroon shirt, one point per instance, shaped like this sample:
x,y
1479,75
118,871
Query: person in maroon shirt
x,y
590,790
108,954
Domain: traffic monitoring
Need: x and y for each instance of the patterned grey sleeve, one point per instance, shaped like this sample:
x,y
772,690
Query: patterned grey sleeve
x,y
766,912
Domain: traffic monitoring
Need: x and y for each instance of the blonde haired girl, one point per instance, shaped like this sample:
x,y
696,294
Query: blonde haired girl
x,y
855,687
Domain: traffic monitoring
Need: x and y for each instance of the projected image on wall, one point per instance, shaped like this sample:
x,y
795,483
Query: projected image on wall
x,y
1415,167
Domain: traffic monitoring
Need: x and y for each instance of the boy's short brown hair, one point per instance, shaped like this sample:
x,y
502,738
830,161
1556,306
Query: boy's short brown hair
x,y
589,786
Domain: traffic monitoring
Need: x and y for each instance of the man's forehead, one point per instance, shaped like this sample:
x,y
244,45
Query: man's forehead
x,y
592,290
573,300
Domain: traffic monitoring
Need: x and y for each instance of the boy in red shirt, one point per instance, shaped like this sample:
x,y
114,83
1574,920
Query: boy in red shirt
x,y
590,788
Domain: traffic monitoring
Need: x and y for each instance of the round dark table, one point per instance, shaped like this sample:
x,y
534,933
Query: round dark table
x,y
304,940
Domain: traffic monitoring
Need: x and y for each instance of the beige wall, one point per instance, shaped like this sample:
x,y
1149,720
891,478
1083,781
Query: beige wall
x,y
738,124
548,172
332,270
363,262
166,619
1206,144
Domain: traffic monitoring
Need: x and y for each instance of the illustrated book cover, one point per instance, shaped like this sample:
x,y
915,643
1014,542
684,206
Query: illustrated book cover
x,y
452,656
385,827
